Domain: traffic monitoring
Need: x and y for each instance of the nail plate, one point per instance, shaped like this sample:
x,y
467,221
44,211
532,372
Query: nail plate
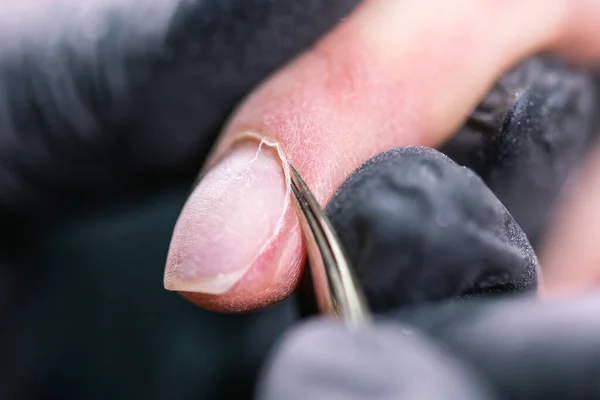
x,y
228,220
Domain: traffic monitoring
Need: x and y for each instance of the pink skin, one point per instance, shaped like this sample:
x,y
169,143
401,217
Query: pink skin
x,y
572,259
389,76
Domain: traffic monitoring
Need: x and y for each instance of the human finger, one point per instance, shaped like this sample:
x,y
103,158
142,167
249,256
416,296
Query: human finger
x,y
392,74
405,218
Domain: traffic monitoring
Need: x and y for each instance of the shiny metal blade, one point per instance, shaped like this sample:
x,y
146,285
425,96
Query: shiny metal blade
x,y
336,289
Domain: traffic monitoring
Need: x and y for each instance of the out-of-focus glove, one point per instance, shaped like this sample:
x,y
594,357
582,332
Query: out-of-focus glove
x,y
97,97
324,360
503,349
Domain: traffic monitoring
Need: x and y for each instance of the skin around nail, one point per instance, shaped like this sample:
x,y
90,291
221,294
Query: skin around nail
x,y
229,233
393,74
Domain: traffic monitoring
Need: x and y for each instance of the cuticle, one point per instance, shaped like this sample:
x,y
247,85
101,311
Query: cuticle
x,y
249,136
227,146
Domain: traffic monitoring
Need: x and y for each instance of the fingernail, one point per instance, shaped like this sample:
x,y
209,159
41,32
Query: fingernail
x,y
228,220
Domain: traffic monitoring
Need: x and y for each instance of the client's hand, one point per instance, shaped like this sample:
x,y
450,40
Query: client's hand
x,y
394,73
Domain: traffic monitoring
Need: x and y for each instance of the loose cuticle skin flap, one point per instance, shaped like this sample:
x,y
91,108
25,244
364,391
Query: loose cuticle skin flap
x,y
265,141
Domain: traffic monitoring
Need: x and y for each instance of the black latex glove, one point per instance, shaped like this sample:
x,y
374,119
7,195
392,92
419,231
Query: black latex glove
x,y
504,349
419,228
100,96
524,139
323,360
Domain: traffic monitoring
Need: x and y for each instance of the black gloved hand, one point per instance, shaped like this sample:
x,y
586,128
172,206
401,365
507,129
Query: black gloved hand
x,y
323,360
503,349
418,228
528,134
100,96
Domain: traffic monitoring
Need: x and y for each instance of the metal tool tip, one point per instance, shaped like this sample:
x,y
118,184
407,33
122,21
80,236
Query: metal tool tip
x,y
336,289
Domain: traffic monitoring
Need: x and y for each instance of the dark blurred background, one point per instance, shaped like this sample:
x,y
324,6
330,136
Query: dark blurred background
x,y
92,320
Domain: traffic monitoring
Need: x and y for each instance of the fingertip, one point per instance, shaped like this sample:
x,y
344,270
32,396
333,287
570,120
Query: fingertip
x,y
387,76
272,277
256,290
237,244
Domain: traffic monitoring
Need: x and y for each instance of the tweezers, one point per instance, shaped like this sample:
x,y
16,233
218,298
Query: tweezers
x,y
336,289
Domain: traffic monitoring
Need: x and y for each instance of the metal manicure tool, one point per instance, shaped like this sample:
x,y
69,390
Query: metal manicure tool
x,y
336,289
